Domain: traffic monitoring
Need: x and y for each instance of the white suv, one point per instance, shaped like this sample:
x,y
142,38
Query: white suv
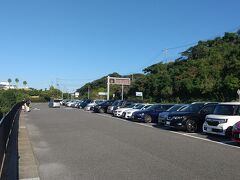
x,y
223,118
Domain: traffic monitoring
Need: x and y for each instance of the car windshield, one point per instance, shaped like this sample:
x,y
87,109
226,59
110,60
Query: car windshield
x,y
153,107
140,106
226,110
193,108
130,106
174,108
98,102
57,101
106,103
116,103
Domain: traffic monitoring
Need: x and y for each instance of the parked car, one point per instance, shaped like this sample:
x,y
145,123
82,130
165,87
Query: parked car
x,y
121,104
128,113
163,115
70,103
102,107
64,102
150,114
84,103
191,118
236,132
54,103
93,103
75,103
223,118
119,112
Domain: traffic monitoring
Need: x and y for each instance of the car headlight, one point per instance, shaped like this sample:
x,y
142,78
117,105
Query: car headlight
x,y
142,114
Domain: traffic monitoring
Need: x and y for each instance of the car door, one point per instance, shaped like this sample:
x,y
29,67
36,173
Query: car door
x,y
208,109
156,112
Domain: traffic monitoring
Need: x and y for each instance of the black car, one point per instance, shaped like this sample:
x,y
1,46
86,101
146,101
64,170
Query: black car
x,y
163,115
121,104
102,107
150,114
191,118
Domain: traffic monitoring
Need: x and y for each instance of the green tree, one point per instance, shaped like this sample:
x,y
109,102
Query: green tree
x,y
9,81
17,81
25,83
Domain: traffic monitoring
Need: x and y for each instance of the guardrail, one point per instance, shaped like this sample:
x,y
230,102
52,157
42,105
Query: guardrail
x,y
9,143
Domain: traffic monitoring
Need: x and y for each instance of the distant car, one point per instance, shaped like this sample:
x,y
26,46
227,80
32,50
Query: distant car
x,y
150,114
236,132
91,105
222,120
54,103
128,113
191,118
84,103
70,103
119,112
121,104
163,115
102,107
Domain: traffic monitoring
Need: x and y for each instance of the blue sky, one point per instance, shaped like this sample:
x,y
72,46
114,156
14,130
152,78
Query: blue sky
x,y
81,40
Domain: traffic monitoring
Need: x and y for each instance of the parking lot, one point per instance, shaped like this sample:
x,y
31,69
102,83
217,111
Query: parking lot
x,y
74,144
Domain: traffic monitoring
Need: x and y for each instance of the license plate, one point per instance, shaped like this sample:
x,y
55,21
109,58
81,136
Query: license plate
x,y
167,122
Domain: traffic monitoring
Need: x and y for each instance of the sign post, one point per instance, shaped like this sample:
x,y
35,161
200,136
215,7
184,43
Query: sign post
x,y
108,87
238,92
118,81
139,94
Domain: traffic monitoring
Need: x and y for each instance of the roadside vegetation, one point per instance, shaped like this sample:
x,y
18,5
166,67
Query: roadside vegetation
x,y
10,97
209,71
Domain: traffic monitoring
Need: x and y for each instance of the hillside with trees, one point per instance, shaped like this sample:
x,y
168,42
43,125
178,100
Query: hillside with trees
x,y
208,71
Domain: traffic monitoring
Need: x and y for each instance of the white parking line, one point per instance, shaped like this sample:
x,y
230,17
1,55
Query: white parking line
x,y
179,133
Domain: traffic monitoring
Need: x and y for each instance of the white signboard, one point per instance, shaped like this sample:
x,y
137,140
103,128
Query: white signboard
x,y
119,81
102,93
76,94
140,94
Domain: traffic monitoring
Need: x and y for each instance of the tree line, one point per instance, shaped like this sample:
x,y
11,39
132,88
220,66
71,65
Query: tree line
x,y
208,71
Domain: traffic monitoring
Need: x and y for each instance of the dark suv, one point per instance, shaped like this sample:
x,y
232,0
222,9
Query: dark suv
x,y
102,107
191,118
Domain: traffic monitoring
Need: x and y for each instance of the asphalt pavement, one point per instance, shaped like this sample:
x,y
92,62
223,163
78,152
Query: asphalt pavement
x,y
74,144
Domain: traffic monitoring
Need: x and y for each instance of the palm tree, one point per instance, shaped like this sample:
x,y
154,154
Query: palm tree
x,y
17,81
9,81
25,83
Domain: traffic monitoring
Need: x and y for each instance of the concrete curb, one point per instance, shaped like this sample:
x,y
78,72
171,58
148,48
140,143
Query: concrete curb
x,y
28,166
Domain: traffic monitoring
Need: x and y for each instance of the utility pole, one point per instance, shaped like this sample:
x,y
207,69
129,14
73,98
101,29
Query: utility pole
x,y
122,91
108,87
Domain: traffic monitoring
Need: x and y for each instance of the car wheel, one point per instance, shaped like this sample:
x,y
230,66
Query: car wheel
x,y
191,126
101,110
228,132
147,119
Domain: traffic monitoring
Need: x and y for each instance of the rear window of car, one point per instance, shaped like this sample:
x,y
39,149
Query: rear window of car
x,y
57,101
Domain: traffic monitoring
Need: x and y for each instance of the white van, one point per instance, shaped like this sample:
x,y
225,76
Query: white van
x,y
223,118
54,103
